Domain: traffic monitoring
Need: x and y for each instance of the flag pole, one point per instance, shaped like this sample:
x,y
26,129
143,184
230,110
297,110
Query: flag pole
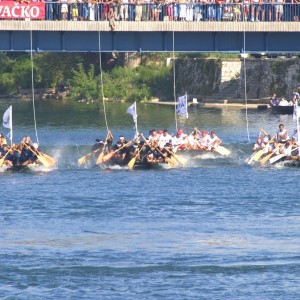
x,y
298,133
136,128
11,129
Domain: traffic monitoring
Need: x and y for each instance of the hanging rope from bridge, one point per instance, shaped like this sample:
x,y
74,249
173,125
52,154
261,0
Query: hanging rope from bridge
x,y
174,79
32,85
101,76
245,78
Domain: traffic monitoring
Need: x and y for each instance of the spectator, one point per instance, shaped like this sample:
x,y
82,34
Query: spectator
x,y
255,10
64,9
111,18
279,10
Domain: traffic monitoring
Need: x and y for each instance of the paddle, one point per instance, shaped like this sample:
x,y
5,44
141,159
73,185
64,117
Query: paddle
x,y
279,156
41,158
272,160
221,150
268,156
3,158
133,160
264,132
177,158
104,158
169,161
100,157
257,155
83,159
50,159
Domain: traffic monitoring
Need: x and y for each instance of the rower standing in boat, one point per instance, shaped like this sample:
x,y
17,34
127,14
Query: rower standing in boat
x,y
282,135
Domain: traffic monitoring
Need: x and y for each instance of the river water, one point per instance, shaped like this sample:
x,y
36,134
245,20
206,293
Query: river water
x,y
217,229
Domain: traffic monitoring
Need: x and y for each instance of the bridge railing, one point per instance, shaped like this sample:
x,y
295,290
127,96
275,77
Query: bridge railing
x,y
198,11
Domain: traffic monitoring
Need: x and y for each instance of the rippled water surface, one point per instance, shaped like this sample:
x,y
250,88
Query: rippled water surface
x,y
217,229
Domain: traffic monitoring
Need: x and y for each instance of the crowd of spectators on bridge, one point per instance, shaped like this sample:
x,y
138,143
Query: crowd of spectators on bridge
x,y
173,10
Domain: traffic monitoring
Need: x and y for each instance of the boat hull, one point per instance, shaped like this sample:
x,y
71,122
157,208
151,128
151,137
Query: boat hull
x,y
27,168
284,110
137,166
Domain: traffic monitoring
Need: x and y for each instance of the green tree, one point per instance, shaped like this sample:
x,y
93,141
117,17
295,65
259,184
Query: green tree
x,y
84,84
22,73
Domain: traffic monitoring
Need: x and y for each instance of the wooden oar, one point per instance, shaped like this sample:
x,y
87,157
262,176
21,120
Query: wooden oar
x,y
133,160
88,156
221,150
267,157
260,152
257,155
177,158
169,161
3,158
50,159
83,159
100,157
104,158
41,158
272,160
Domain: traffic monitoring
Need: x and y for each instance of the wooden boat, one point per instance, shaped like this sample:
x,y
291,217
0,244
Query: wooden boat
x,y
196,152
139,165
284,110
35,167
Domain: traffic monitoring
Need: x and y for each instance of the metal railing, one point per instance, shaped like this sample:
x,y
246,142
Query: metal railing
x,y
194,11
158,11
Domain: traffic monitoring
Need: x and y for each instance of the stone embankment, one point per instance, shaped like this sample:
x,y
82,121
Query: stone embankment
x,y
219,80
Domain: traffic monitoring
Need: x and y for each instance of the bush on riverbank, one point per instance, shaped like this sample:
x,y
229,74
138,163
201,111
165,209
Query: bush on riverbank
x,y
121,83
80,72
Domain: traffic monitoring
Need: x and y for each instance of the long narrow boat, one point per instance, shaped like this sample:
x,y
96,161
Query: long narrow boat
x,y
36,167
139,165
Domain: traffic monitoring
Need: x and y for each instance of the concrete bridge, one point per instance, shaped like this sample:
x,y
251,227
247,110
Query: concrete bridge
x,y
83,36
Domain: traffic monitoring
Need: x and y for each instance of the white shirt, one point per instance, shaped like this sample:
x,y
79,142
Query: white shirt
x,y
280,135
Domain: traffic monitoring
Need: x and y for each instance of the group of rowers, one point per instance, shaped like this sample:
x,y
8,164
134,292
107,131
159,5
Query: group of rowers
x,y
21,154
156,148
280,145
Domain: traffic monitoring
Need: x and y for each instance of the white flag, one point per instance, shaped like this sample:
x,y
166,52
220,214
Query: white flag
x,y
181,109
132,110
7,118
296,113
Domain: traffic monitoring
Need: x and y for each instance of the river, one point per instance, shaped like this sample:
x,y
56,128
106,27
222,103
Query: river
x,y
216,229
